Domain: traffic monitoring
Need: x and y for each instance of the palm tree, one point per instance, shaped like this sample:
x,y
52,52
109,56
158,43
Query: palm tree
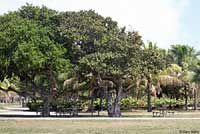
x,y
182,55
185,57
154,61
196,80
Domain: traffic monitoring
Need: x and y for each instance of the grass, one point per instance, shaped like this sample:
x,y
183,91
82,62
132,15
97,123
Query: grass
x,y
172,126
98,127
5,105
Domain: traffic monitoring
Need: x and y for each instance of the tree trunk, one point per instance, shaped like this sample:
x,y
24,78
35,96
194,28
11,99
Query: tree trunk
x,y
138,94
114,107
109,103
92,103
117,110
52,79
186,99
149,109
137,89
46,109
195,99
101,100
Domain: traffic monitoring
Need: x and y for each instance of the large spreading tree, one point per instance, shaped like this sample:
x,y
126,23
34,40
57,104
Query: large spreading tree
x,y
30,51
98,46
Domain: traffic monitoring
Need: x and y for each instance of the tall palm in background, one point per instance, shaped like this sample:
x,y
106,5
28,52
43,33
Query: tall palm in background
x,y
196,80
185,57
182,54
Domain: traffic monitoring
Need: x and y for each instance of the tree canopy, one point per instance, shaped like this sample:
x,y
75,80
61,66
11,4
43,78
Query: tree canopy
x,y
40,48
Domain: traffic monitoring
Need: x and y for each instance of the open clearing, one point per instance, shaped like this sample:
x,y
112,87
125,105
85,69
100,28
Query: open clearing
x,y
98,126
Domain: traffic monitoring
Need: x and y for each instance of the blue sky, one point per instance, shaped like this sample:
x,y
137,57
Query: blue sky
x,y
166,22
191,23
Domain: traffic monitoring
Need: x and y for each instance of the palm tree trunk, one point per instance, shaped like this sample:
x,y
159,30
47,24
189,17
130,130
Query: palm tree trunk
x,y
92,102
149,109
186,99
195,99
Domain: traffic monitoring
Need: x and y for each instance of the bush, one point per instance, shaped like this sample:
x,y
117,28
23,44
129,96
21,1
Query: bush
x,y
97,104
60,103
141,103
34,106
128,103
84,105
163,101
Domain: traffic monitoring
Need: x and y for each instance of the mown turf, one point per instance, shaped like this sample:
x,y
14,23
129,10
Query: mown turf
x,y
99,127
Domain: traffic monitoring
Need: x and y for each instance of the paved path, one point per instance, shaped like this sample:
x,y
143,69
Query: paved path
x,y
17,108
17,113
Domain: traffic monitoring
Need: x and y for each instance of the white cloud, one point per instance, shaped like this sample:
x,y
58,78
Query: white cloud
x,y
156,20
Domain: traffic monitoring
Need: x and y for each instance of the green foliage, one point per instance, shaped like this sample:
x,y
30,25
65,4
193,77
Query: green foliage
x,y
172,70
84,105
141,103
97,104
38,45
152,61
96,43
196,77
128,103
34,106
114,60
61,103
80,30
164,101
27,46
183,55
42,15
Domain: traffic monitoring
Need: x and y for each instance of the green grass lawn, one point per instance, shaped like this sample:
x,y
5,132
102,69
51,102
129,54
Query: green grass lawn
x,y
172,126
5,105
98,127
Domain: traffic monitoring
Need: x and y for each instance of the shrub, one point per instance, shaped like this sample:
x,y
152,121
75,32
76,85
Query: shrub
x,y
162,101
141,103
97,104
84,105
60,103
34,106
128,103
